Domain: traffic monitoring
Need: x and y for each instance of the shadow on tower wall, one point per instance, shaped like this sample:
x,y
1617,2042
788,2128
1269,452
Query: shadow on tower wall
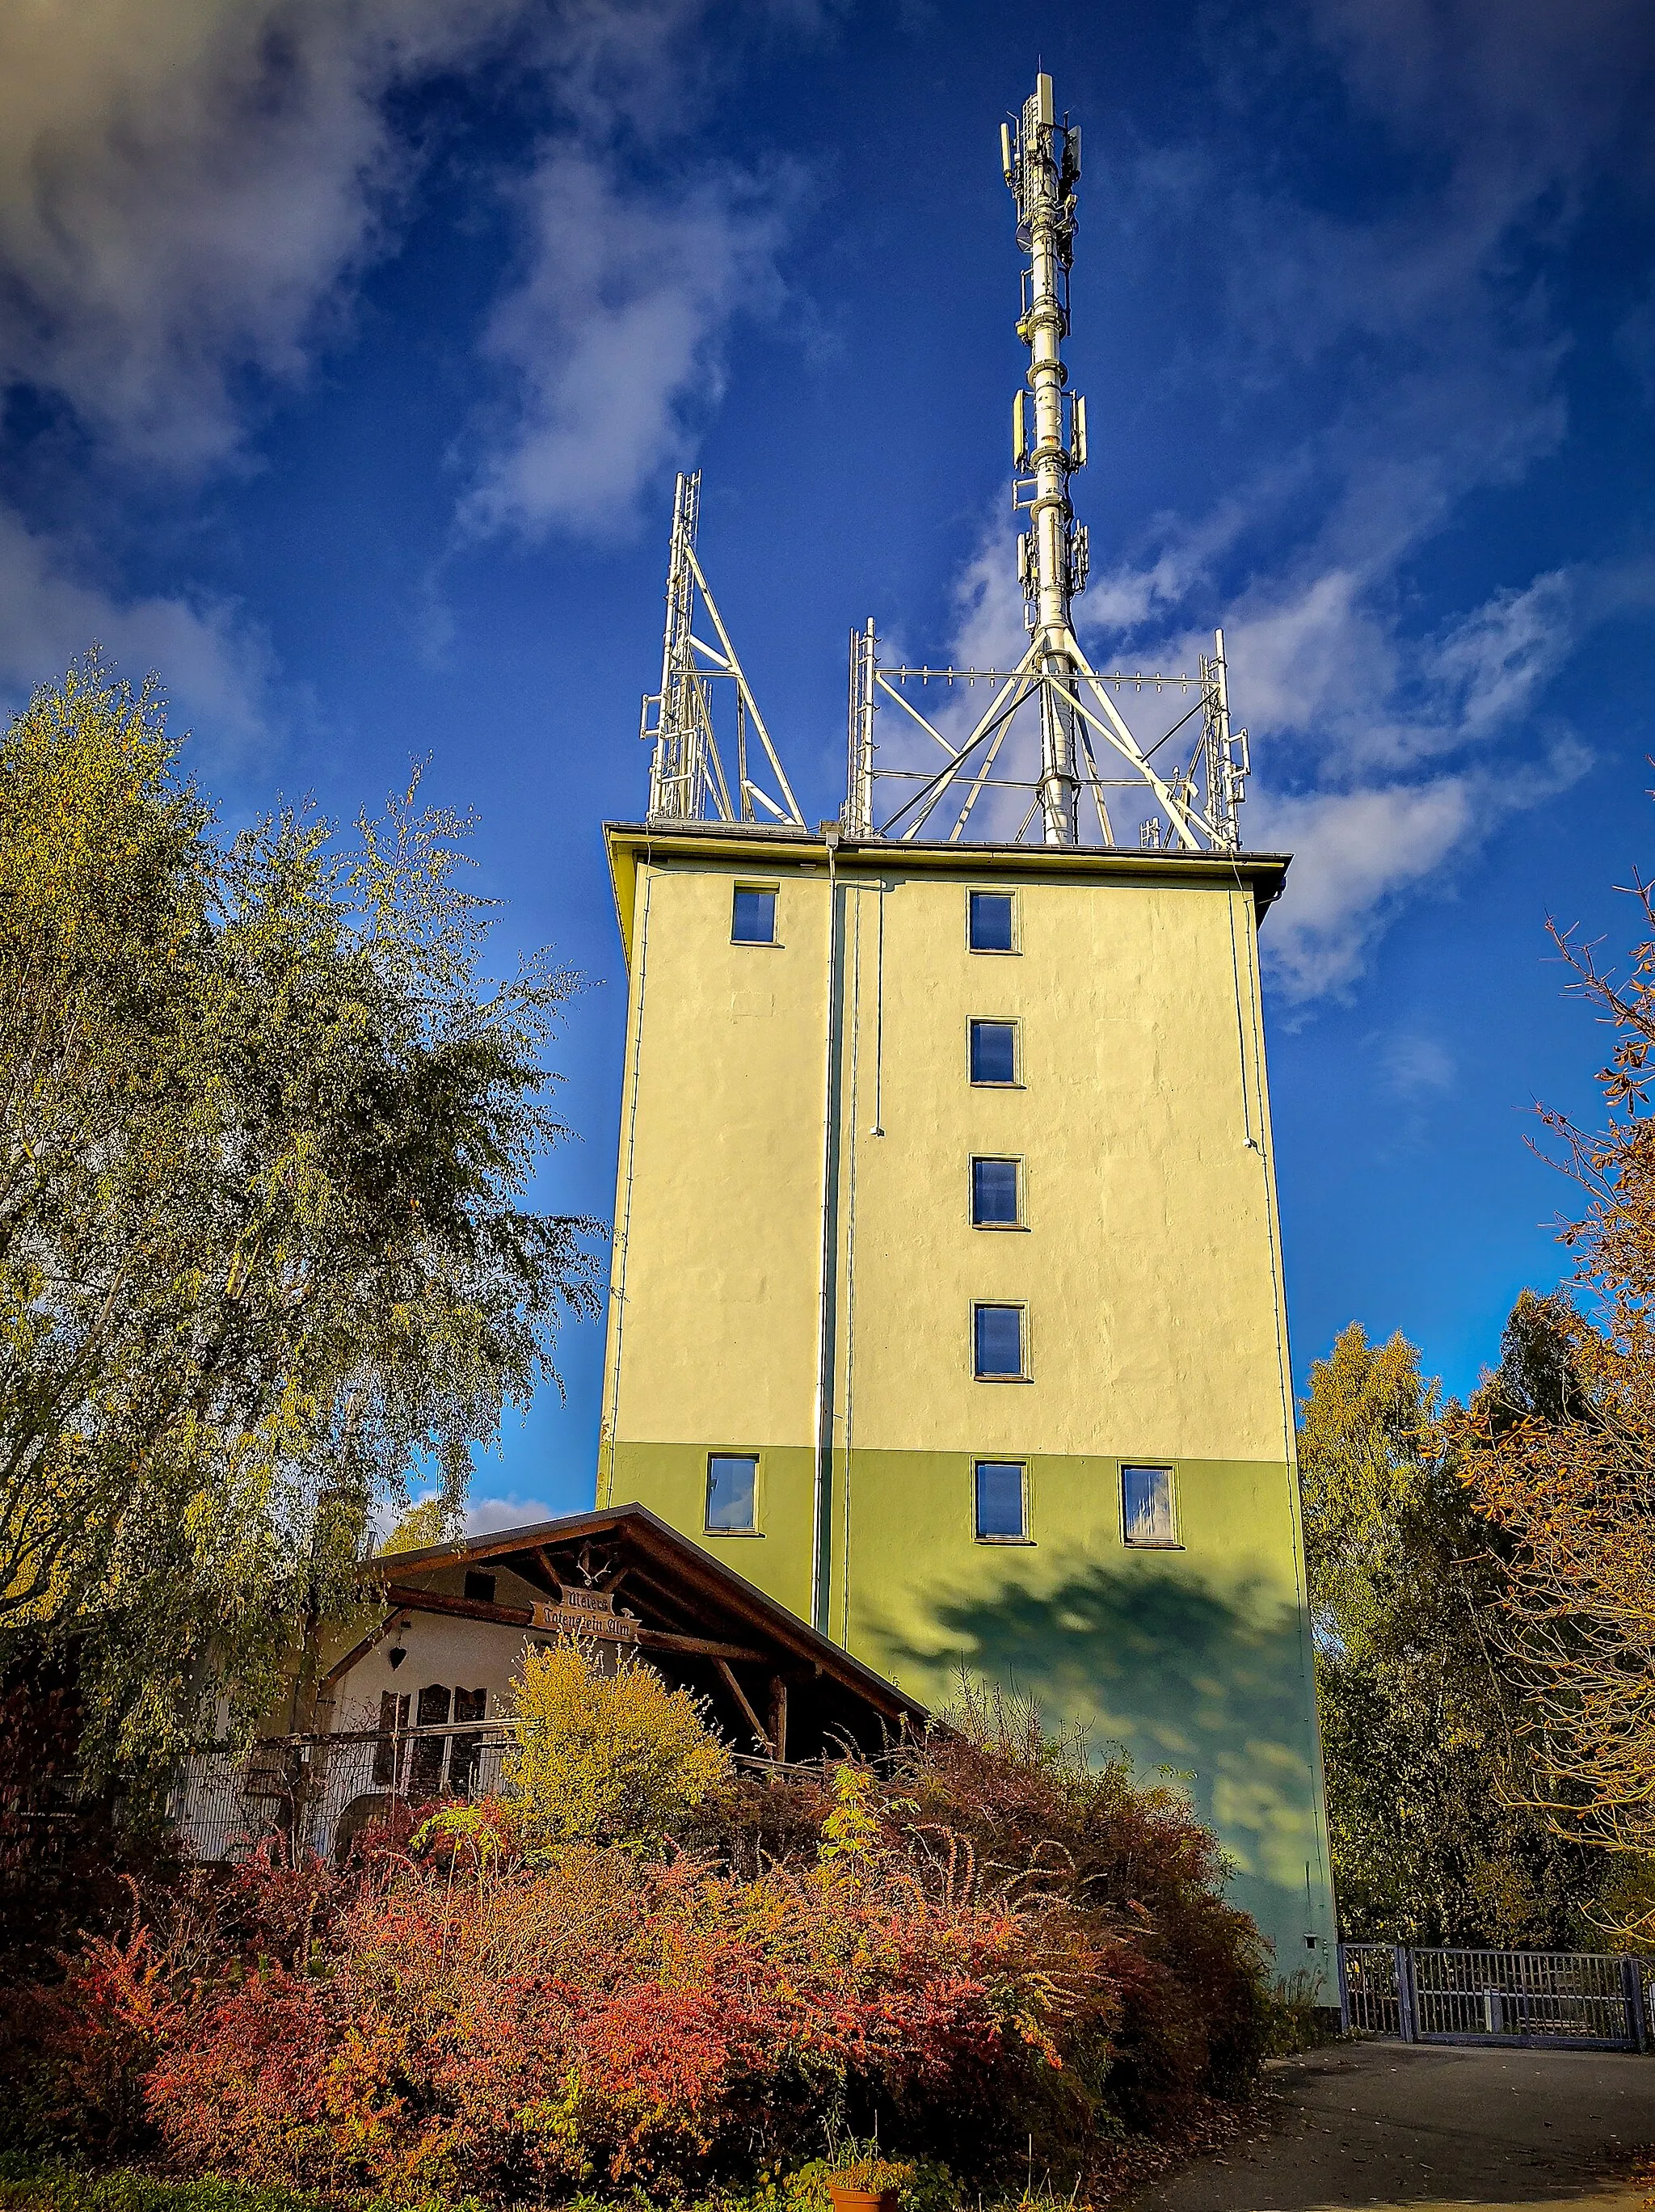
x,y
1153,1660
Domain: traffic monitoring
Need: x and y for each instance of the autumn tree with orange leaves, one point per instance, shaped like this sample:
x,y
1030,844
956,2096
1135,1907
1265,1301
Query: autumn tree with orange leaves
x,y
1567,1470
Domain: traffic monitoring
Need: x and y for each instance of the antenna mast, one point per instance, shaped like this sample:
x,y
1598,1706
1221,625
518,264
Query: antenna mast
x,y
1088,752
1041,160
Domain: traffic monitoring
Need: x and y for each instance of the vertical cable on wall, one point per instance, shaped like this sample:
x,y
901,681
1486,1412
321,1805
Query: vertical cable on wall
x,y
851,1121
822,1488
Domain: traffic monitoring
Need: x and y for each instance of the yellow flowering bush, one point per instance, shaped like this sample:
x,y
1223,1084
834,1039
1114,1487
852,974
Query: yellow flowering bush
x,y
606,1757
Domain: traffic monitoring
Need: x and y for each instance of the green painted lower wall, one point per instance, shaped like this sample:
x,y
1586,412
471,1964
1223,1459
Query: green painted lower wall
x,y
1196,1660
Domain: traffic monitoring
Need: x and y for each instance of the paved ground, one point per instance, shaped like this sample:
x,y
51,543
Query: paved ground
x,y
1393,2124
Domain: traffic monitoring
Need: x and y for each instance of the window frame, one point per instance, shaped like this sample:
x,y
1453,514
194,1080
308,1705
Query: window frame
x,y
978,1535
995,951
1020,1219
756,1458
1024,1335
1175,1541
1012,1022
772,892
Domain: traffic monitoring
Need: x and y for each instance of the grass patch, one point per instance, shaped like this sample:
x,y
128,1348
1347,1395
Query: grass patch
x,y
68,2189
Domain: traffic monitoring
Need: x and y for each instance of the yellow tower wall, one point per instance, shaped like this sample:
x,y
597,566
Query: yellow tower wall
x,y
762,1080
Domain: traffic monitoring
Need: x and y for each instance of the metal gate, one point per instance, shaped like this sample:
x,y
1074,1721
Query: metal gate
x,y
1565,2000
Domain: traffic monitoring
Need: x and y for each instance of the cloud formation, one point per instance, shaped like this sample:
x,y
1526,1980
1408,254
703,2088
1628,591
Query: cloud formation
x,y
613,343
187,188
190,191
217,666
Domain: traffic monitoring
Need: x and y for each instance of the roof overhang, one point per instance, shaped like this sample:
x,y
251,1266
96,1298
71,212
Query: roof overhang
x,y
689,1605
630,844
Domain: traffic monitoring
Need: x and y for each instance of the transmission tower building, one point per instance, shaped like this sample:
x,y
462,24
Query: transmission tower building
x,y
947,1297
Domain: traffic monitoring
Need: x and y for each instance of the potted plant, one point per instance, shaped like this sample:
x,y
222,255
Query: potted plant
x,y
867,2183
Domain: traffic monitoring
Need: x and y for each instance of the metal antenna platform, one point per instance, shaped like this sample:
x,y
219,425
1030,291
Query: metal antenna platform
x,y
1089,759
686,772
1087,749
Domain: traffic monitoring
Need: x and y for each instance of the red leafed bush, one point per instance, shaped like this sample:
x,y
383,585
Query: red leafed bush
x,y
979,1939
528,2030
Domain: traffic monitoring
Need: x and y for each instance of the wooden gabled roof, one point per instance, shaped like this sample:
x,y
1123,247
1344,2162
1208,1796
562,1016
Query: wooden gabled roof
x,y
692,1614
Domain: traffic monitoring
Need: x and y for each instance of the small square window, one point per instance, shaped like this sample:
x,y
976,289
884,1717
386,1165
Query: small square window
x,y
480,1589
994,1052
1146,1507
753,918
995,1194
997,1343
991,922
732,1482
1002,1501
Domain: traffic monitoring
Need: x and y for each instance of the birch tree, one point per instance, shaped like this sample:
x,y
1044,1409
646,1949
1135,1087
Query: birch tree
x,y
266,1134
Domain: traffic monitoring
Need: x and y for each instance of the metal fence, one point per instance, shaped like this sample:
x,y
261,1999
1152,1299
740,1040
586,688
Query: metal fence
x,y
321,1791
1570,2000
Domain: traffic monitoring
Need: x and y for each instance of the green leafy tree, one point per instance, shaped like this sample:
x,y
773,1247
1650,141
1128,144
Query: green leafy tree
x,y
429,1520
1427,1773
265,1134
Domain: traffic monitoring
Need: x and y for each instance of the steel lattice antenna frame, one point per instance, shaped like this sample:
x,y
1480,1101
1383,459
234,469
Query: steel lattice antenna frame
x,y
685,769
1195,805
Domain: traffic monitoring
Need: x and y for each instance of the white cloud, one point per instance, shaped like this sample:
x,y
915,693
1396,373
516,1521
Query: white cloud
x,y
217,667
1358,853
1415,1067
190,189
614,343
486,1514
1355,854
186,187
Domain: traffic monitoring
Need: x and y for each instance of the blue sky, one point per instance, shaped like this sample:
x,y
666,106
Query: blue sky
x,y
349,346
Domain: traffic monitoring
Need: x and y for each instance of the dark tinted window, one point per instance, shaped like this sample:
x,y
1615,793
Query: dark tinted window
x,y
994,1193
1000,1498
994,1052
425,1768
753,920
998,1341
990,922
480,1588
732,1483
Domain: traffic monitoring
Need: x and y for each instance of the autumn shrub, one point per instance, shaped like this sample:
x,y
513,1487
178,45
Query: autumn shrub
x,y
604,1757
975,1939
1194,1978
603,2019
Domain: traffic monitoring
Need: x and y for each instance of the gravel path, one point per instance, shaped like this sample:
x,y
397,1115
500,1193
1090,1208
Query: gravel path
x,y
1393,2124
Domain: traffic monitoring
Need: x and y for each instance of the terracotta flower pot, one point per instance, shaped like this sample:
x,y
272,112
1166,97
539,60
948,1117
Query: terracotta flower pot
x,y
861,2200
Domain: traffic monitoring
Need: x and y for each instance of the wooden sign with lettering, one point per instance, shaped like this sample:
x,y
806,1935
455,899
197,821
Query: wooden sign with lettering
x,y
586,1613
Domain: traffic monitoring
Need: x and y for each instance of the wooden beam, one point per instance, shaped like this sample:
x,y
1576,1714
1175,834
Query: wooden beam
x,y
778,1716
541,1557
704,1647
468,1608
340,1668
740,1695
669,1602
710,1578
522,1616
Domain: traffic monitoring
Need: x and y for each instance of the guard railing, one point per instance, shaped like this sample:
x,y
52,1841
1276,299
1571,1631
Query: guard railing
x,y
1565,2000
